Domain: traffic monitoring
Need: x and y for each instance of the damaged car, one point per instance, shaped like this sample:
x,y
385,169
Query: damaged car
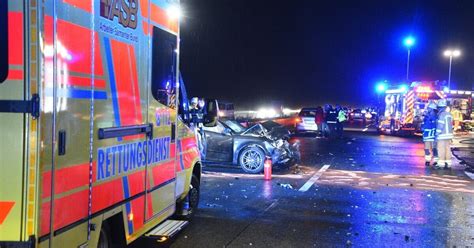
x,y
229,142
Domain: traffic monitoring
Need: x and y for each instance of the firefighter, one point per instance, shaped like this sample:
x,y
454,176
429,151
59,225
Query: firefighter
x,y
444,135
429,134
458,118
197,119
196,112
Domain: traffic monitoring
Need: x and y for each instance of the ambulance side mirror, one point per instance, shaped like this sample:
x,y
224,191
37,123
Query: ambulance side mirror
x,y
211,115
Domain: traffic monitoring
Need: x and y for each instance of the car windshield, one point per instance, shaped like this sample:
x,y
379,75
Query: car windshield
x,y
235,126
308,113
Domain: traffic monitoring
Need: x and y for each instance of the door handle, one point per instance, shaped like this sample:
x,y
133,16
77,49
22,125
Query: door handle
x,y
62,143
18,106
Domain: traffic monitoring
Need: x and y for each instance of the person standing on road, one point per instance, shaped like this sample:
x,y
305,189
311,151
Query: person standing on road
x,y
341,118
325,125
319,119
197,119
444,135
429,134
458,118
331,119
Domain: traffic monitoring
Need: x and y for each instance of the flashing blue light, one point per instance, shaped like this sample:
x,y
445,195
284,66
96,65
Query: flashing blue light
x,y
409,41
381,87
404,87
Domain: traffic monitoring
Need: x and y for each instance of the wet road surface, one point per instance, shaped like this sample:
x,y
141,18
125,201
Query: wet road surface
x,y
368,191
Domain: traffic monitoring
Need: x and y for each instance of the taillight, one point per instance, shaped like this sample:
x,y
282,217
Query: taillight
x,y
298,120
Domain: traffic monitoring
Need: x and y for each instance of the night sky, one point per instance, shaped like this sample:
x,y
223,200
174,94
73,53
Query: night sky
x,y
309,52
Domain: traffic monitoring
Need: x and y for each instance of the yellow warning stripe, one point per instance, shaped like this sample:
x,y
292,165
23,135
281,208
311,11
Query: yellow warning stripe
x,y
410,104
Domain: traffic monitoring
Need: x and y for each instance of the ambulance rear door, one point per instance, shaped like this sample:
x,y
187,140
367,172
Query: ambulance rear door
x,y
72,77
16,112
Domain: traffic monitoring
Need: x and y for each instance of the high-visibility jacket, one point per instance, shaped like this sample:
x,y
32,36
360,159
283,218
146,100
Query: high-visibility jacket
x,y
457,115
444,127
341,116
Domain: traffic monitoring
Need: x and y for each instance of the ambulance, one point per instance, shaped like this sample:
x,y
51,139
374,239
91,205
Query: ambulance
x,y
94,151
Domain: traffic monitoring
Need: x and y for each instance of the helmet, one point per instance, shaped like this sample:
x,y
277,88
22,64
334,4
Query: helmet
x,y
432,106
442,103
201,103
194,100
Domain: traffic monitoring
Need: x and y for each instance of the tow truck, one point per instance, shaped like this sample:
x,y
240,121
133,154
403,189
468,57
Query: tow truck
x,y
94,151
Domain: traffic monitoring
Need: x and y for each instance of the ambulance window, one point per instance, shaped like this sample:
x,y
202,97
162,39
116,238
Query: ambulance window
x,y
3,40
163,72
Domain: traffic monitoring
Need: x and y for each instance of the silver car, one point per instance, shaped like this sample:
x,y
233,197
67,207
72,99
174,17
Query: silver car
x,y
231,143
305,122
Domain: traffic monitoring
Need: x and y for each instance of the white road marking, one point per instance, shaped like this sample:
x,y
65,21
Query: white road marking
x,y
274,203
247,176
314,178
471,175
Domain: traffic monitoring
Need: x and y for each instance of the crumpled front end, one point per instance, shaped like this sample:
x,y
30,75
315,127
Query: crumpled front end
x,y
285,153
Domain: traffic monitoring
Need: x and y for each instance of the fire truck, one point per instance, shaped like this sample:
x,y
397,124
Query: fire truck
x,y
93,151
405,105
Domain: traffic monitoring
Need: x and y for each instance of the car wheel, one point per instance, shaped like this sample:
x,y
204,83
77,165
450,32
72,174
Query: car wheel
x,y
252,160
186,208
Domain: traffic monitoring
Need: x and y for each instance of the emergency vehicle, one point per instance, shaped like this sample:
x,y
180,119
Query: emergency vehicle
x,y
405,105
93,151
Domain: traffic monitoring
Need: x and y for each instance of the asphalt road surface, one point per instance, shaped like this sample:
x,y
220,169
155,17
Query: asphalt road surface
x,y
364,190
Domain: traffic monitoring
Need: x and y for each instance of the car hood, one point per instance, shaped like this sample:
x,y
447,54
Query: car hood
x,y
269,132
276,130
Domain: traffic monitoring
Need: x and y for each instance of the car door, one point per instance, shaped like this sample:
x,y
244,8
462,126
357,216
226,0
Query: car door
x,y
219,143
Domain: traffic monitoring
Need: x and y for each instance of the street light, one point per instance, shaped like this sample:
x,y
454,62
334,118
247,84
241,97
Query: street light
x,y
408,42
380,88
451,53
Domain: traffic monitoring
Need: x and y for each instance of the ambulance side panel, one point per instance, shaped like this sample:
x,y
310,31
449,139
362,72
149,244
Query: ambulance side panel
x,y
97,81
12,126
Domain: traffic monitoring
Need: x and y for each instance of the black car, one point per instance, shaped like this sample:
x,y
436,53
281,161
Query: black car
x,y
231,143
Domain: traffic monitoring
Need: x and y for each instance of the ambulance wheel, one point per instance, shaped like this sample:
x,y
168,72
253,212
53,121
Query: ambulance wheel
x,y
186,208
252,160
104,237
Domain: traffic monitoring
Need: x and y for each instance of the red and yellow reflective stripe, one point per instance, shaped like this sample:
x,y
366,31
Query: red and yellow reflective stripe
x,y
15,44
410,105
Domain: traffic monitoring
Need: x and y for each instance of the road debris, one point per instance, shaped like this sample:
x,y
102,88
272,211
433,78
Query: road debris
x,y
285,185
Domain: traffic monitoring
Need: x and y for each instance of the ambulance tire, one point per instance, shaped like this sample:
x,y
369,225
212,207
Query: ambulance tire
x,y
186,208
105,240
